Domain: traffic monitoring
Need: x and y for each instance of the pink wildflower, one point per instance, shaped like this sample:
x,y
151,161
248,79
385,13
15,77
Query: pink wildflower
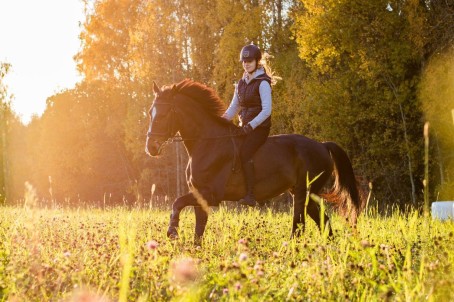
x,y
242,241
238,286
184,270
152,245
243,257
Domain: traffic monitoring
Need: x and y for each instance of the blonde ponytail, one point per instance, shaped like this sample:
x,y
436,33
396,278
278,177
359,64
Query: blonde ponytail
x,y
264,63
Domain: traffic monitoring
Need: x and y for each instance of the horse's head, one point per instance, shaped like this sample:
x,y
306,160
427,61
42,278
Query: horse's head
x,y
162,125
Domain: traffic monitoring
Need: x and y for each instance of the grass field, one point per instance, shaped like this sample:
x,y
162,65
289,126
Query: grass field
x,y
122,255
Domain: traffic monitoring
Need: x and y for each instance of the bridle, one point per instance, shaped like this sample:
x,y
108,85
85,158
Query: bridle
x,y
170,127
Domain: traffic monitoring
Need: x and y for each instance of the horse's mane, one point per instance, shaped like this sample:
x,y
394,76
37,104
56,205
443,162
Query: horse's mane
x,y
202,94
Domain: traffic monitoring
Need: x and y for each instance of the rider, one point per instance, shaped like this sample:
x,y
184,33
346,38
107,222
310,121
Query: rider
x,y
252,100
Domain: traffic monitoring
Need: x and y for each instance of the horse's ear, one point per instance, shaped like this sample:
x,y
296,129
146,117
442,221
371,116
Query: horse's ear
x,y
156,89
174,88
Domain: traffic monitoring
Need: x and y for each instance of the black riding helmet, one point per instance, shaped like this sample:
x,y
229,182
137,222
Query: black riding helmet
x,y
250,52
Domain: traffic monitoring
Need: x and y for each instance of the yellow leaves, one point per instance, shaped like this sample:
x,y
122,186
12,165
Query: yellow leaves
x,y
243,26
361,34
326,58
105,39
417,23
317,35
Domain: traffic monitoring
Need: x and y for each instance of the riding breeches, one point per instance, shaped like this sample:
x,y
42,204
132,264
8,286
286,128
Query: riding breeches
x,y
252,143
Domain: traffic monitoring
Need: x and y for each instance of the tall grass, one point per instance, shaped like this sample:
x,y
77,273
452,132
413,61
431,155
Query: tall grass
x,y
106,255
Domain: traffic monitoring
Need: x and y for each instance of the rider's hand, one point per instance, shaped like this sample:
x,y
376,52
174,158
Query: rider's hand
x,y
247,129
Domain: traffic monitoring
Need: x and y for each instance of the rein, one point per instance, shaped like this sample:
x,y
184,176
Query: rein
x,y
178,138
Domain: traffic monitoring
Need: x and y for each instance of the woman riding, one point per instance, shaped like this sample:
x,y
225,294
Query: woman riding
x,y
252,102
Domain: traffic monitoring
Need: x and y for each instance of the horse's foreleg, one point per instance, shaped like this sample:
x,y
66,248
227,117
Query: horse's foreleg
x,y
179,204
201,219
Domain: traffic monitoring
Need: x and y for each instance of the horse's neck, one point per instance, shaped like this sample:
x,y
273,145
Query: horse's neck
x,y
194,128
197,128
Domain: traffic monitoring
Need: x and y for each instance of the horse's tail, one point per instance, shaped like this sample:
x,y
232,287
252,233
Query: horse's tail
x,y
344,195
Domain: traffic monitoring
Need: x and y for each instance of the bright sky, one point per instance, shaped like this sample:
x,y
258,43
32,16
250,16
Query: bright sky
x,y
39,39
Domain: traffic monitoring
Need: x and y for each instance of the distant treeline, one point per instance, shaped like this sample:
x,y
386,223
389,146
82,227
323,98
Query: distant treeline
x,y
366,74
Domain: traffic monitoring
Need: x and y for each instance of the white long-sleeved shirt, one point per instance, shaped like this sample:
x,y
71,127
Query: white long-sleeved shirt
x,y
265,97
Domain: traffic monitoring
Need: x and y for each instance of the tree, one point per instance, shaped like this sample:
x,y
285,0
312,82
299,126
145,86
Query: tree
x,y
105,40
240,24
362,85
440,26
203,33
146,41
4,112
12,146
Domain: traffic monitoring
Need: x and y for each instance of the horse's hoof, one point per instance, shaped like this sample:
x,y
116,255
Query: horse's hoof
x,y
198,241
261,203
172,234
296,234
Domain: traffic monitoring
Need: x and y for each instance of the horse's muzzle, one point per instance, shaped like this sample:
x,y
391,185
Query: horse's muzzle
x,y
153,147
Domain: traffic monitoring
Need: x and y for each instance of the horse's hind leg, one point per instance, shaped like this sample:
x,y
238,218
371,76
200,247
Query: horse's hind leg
x,y
201,219
313,210
298,212
300,209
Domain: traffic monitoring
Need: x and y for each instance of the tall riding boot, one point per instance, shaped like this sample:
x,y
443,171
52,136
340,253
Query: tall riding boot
x,y
249,199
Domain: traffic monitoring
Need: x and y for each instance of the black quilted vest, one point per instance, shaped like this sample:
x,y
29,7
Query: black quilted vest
x,y
249,99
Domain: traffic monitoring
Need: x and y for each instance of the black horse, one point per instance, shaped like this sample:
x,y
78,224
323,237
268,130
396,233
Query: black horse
x,y
283,163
